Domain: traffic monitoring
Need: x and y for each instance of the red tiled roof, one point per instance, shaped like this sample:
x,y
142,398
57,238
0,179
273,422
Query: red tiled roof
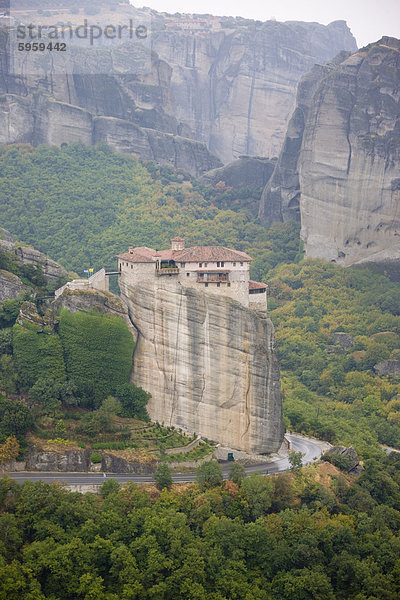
x,y
139,255
256,285
210,253
178,239
195,254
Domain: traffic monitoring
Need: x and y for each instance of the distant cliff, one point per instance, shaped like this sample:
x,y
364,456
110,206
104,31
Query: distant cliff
x,y
209,364
339,169
221,92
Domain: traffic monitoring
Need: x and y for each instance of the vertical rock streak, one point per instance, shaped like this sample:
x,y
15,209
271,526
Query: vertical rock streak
x,y
209,364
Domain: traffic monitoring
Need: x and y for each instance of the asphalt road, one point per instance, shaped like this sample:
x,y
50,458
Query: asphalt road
x,y
311,449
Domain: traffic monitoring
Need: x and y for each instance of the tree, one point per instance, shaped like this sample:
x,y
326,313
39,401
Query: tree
x,y
9,450
163,477
257,490
9,311
237,473
15,418
209,474
111,406
6,341
110,486
61,431
133,401
295,460
46,392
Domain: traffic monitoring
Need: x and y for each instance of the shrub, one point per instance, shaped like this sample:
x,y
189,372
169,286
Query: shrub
x,y
237,473
163,477
96,458
110,486
37,355
209,475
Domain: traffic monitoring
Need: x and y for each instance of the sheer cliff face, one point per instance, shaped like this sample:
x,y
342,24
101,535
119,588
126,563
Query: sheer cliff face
x,y
218,94
235,89
208,363
345,164
350,160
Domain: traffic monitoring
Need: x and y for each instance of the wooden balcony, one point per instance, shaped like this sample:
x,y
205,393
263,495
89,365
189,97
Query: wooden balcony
x,y
212,277
168,271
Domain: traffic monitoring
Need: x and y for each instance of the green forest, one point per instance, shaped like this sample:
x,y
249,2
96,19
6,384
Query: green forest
x,y
311,534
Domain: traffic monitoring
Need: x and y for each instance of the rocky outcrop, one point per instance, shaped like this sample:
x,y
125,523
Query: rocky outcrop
x,y
346,458
388,367
342,339
11,286
343,170
280,200
5,235
246,172
209,364
27,255
66,460
78,461
54,123
225,91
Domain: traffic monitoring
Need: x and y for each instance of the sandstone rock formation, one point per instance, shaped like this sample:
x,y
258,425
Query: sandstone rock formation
x,y
27,255
234,88
350,456
229,88
341,158
387,367
246,172
280,200
10,286
209,364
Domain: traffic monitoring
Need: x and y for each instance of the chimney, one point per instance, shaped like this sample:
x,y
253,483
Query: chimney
x,y
130,249
177,243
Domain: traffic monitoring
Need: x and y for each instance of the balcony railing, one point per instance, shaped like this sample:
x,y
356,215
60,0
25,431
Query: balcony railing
x,y
169,271
212,277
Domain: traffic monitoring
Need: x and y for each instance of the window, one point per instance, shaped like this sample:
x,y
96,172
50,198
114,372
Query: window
x,y
187,274
222,264
234,264
229,285
205,264
218,284
119,266
206,284
183,265
241,264
218,264
200,264
131,266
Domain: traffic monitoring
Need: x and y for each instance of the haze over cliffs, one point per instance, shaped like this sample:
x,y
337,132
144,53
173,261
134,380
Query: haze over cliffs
x,y
224,89
209,364
339,169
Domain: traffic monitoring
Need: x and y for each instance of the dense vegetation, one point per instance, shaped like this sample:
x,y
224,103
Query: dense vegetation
x,y
329,390
298,536
83,205
81,363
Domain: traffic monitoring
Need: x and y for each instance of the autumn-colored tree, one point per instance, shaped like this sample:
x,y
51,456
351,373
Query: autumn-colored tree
x,y
9,450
